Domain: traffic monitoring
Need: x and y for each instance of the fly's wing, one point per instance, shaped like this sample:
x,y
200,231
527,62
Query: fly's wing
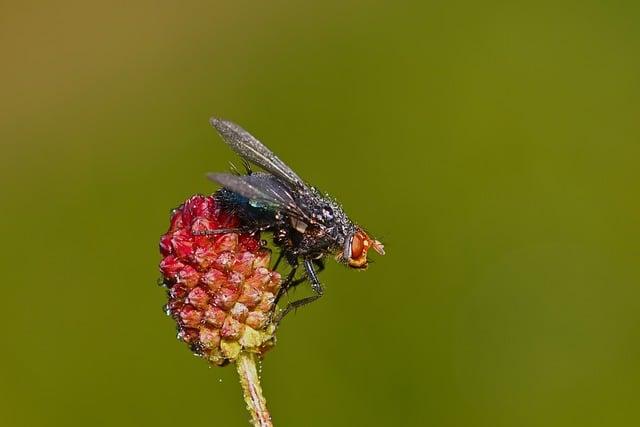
x,y
263,189
249,148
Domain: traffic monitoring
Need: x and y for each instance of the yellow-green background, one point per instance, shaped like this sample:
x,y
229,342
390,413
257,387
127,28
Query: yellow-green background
x,y
493,146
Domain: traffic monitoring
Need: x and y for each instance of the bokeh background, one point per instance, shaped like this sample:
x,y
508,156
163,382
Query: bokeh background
x,y
493,146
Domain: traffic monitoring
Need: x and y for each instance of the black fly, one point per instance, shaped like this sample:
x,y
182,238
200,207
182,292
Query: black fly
x,y
306,224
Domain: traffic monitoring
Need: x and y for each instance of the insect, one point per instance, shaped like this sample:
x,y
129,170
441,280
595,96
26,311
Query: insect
x,y
307,225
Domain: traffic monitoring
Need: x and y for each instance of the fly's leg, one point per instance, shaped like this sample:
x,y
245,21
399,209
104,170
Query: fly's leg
x,y
316,286
277,263
284,287
238,230
320,264
313,277
290,281
223,231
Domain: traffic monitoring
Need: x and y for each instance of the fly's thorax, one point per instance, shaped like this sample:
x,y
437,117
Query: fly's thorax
x,y
317,241
335,226
323,212
329,231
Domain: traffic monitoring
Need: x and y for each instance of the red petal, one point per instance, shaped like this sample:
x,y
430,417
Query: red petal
x,y
231,329
170,266
214,279
215,316
226,297
198,297
189,276
182,243
165,244
190,316
210,338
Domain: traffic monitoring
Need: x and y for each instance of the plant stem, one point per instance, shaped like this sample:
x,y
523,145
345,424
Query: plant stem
x,y
250,382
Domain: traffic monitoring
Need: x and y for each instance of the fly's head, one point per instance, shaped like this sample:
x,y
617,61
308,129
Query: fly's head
x,y
353,241
356,246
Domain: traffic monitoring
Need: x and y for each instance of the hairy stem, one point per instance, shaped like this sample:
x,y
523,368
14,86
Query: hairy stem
x,y
256,403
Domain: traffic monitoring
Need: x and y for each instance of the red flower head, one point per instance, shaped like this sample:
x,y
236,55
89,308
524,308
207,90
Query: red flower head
x,y
221,290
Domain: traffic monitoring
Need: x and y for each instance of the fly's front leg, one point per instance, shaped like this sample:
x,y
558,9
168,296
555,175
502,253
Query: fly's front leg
x,y
316,286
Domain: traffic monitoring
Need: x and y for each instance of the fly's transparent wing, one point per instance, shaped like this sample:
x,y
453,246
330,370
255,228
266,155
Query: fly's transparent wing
x,y
248,147
261,188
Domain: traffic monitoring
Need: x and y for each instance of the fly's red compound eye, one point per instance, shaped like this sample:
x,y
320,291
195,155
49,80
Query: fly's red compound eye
x,y
357,245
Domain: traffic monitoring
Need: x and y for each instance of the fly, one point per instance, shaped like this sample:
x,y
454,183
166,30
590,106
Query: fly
x,y
306,224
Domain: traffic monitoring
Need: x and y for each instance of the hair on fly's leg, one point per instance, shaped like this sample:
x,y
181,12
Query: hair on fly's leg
x,y
316,286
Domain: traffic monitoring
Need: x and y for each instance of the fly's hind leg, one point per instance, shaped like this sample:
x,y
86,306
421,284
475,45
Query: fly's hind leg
x,y
222,231
290,281
277,263
316,286
238,230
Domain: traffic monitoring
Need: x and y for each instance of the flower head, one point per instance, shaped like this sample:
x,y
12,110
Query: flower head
x,y
220,288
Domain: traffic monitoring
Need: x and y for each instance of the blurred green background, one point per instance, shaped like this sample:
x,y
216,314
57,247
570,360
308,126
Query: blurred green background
x,y
493,146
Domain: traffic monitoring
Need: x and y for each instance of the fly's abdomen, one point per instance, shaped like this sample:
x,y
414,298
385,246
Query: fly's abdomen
x,y
251,213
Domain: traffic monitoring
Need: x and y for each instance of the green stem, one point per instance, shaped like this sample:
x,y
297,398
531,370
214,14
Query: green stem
x,y
250,382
